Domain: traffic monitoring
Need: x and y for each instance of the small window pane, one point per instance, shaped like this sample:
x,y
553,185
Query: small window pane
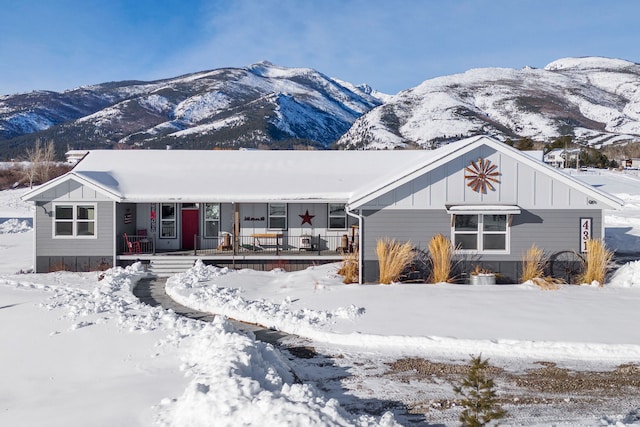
x,y
277,209
212,211
336,209
466,241
278,222
494,242
168,229
168,211
211,229
85,212
337,222
495,223
466,222
86,228
64,212
64,228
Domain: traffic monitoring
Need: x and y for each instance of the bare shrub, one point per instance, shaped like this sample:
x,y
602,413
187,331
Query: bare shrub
x,y
532,264
393,257
349,268
596,262
547,283
441,250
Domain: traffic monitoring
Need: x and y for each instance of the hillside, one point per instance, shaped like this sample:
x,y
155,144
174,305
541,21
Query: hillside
x,y
596,100
262,105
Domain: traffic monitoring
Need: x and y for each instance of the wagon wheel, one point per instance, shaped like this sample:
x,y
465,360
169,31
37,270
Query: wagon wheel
x,y
566,265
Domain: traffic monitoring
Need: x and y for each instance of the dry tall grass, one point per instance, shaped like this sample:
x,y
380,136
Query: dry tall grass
x,y
547,283
596,262
393,257
532,264
441,251
349,268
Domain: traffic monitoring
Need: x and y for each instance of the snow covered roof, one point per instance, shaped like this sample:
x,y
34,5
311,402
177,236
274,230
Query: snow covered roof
x,y
270,175
240,176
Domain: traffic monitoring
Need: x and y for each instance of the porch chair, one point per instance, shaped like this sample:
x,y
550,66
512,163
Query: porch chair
x,y
132,247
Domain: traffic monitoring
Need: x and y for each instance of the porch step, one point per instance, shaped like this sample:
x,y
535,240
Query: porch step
x,y
167,266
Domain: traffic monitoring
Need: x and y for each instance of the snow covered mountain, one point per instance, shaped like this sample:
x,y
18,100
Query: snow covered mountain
x,y
262,105
596,100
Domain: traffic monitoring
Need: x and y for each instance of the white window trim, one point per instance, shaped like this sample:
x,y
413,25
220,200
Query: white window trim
x,y
74,221
204,220
286,215
480,232
174,219
329,216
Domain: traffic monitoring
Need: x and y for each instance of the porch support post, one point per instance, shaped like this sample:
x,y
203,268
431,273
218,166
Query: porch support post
x,y
236,227
360,248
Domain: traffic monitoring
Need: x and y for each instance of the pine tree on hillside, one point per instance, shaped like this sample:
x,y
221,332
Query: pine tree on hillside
x,y
478,396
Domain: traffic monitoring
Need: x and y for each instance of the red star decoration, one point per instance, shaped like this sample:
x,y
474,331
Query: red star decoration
x,y
306,218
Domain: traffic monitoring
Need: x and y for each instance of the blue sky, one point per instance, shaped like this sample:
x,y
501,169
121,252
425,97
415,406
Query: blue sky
x,y
390,44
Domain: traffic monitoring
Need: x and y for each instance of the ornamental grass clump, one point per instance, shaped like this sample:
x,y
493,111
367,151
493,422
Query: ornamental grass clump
x,y
393,257
596,262
349,268
441,252
532,264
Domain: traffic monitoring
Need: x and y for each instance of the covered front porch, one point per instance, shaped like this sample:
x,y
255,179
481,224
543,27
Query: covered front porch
x,y
252,235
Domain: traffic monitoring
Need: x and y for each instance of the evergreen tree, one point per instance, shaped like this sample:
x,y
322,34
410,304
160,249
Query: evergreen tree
x,y
478,396
524,144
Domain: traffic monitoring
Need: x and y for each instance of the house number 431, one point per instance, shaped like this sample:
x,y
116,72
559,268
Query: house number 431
x,y
585,233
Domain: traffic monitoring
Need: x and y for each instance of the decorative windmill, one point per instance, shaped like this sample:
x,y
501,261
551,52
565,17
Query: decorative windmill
x,y
480,175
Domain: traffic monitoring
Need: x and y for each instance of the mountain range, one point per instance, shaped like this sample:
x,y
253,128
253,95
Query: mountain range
x,y
595,100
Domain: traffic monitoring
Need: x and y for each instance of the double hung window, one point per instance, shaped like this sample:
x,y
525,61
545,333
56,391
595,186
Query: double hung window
x,y
168,220
481,232
74,220
337,216
211,220
277,216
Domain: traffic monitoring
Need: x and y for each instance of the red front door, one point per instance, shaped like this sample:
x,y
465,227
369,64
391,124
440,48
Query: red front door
x,y
189,227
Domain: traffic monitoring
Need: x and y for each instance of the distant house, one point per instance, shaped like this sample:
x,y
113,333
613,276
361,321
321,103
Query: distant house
x,y
561,158
74,156
633,163
292,209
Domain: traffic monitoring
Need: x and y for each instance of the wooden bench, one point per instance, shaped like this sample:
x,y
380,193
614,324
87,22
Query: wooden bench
x,y
266,239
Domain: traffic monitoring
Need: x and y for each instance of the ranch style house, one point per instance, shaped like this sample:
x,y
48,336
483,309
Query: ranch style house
x,y
292,209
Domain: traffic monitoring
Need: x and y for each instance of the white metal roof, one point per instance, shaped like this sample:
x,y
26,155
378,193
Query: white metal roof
x,y
241,176
272,175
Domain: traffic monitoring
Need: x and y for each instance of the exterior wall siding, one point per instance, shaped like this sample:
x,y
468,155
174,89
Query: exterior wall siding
x,y
70,191
94,249
551,230
519,185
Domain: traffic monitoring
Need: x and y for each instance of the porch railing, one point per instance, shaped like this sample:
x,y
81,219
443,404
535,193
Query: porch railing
x,y
249,244
275,243
131,244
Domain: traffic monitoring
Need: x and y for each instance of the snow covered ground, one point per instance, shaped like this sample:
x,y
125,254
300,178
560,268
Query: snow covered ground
x,y
78,349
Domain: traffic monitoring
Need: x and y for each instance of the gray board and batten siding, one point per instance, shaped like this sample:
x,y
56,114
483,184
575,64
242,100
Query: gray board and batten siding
x,y
416,210
552,230
519,185
75,254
